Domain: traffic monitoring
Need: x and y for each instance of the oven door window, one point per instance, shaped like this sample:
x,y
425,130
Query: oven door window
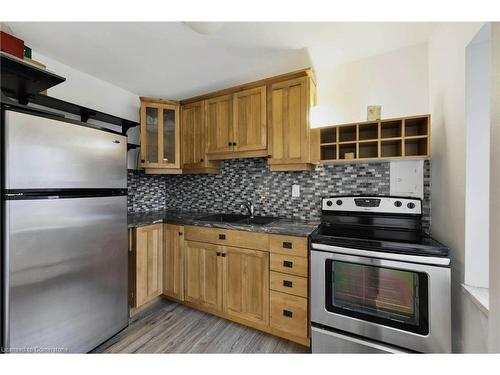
x,y
387,296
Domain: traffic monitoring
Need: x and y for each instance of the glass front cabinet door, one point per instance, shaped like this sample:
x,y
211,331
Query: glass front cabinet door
x,y
160,132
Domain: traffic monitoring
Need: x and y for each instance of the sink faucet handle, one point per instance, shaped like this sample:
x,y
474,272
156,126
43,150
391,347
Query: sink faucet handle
x,y
249,206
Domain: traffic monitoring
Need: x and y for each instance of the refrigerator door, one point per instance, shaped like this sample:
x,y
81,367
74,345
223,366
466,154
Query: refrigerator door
x,y
42,153
67,280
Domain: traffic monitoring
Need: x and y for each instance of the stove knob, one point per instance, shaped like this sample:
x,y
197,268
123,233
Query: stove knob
x,y
339,202
411,205
398,203
329,203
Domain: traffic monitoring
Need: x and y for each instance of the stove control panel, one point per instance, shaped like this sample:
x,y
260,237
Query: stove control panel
x,y
393,205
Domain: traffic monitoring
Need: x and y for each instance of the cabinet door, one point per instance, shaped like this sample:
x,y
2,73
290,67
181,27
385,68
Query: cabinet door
x,y
246,284
160,135
193,135
148,263
173,261
203,277
169,140
288,127
250,124
150,114
220,124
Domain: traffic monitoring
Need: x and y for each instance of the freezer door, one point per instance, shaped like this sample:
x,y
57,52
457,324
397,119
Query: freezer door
x,y
67,273
42,153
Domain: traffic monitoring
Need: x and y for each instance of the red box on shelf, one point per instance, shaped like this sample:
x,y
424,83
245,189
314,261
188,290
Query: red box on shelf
x,y
12,45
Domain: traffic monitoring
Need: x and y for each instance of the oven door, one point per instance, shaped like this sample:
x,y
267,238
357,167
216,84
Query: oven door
x,y
396,302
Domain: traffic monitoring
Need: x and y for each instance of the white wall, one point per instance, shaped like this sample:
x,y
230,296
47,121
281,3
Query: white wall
x,y
494,320
398,81
447,104
86,90
89,91
477,203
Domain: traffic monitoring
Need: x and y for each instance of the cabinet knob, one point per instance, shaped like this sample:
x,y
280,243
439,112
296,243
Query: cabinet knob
x,y
202,160
180,233
229,143
269,156
143,161
218,253
287,284
234,143
223,255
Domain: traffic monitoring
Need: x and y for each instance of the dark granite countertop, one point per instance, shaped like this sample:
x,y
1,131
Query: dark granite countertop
x,y
291,227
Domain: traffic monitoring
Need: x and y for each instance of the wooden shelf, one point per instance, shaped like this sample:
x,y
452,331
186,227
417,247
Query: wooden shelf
x,y
347,133
389,139
328,152
391,129
24,81
85,113
21,79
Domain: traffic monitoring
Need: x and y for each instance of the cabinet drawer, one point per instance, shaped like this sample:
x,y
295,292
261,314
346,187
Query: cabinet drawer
x,y
248,240
288,245
295,285
289,264
289,314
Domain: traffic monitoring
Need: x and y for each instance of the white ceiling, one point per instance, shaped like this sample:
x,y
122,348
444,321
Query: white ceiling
x,y
168,59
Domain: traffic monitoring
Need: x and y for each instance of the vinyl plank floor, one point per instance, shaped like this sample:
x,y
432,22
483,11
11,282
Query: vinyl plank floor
x,y
168,327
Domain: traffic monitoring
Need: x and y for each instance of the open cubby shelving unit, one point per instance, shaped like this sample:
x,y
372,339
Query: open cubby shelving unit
x,y
404,137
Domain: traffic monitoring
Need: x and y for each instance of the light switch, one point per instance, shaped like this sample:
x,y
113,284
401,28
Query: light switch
x,y
295,191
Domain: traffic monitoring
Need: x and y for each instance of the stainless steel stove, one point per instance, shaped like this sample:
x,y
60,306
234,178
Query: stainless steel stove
x,y
378,283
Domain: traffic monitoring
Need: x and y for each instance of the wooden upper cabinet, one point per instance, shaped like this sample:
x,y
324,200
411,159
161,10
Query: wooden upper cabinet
x,y
160,136
194,142
220,124
250,120
291,142
203,267
237,124
173,261
147,261
246,284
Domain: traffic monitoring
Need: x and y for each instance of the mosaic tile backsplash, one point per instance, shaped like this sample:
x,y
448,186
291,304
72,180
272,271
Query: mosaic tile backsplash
x,y
250,179
145,192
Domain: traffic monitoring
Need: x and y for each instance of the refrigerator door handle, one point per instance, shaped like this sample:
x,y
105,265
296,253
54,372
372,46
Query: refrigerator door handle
x,y
5,322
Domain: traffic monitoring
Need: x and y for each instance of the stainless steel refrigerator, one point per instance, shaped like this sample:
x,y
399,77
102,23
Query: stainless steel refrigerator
x,y
64,234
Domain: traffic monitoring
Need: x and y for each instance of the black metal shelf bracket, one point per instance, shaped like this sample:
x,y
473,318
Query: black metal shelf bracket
x,y
131,146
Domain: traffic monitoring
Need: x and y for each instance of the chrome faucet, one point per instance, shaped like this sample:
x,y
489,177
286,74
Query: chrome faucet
x,y
249,206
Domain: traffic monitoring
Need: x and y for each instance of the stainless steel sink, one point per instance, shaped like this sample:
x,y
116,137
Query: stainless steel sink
x,y
258,220
239,219
223,218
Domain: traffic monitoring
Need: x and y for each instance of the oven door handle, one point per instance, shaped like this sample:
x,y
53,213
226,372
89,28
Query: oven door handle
x,y
435,261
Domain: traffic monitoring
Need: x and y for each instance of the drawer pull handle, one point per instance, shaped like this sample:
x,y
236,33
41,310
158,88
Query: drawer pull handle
x,y
218,253
180,233
287,245
222,236
288,313
287,283
287,264
223,255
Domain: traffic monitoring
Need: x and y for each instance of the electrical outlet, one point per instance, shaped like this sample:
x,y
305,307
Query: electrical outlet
x,y
295,191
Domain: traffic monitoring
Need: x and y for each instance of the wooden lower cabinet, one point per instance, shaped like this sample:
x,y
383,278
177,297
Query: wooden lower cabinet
x,y
289,314
146,264
173,261
203,267
258,287
246,284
